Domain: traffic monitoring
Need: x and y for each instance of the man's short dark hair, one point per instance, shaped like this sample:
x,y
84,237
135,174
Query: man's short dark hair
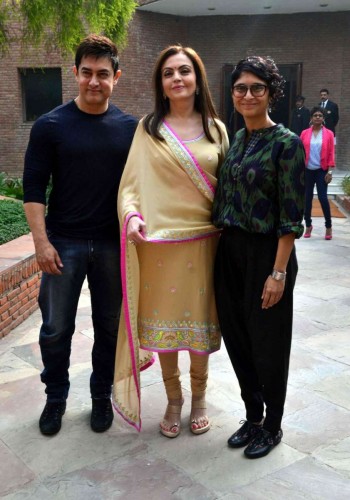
x,y
300,98
324,90
97,46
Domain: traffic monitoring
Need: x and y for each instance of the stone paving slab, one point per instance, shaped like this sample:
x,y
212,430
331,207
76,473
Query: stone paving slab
x,y
14,473
319,424
126,476
336,457
306,479
333,343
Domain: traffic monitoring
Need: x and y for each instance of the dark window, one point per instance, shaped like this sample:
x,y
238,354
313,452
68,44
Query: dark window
x,y
41,91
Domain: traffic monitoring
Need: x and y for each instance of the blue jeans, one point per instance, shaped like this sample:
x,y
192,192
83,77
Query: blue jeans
x,y
313,177
99,261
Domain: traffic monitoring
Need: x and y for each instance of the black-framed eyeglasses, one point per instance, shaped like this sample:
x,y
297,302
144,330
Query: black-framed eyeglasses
x,y
257,90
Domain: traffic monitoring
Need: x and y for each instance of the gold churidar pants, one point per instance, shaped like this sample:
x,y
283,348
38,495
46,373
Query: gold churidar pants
x,y
171,374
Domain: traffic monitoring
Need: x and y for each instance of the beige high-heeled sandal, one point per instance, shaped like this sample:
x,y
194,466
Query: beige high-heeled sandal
x,y
194,423
171,431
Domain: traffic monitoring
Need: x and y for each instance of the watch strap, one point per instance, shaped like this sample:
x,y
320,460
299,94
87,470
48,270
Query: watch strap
x,y
278,275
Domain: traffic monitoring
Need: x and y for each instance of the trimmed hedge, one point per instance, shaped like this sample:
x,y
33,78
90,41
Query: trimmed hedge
x,y
12,221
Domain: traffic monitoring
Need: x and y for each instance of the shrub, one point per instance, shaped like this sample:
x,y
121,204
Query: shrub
x,y
12,187
345,184
12,221
3,178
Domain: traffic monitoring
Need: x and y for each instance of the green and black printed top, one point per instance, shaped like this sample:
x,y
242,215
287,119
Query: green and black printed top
x,y
261,183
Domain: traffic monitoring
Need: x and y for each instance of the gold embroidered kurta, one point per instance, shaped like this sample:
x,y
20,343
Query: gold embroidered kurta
x,y
168,281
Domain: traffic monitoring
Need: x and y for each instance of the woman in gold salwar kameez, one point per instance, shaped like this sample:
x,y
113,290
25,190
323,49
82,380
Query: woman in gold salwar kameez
x,y
169,243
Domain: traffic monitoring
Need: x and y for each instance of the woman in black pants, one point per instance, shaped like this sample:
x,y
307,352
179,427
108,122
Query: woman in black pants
x,y
259,204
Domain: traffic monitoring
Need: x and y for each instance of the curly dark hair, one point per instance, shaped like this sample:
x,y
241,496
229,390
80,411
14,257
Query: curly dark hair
x,y
264,68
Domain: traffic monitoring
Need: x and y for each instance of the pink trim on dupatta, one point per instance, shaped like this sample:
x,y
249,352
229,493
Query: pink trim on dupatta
x,y
185,148
127,320
137,427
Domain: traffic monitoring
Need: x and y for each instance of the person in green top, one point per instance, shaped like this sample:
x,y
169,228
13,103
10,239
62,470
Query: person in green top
x,y
259,205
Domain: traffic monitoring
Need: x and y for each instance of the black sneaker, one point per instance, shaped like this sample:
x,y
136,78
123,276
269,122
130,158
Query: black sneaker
x,y
244,434
263,443
101,415
51,418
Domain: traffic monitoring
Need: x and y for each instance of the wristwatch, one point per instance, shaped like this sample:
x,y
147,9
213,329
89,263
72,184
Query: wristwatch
x,y
330,172
278,276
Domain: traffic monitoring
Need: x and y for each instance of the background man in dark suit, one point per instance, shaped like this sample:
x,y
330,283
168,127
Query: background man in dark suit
x,y
300,116
331,110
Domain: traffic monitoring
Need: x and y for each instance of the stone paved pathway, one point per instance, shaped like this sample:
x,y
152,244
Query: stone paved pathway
x,y
313,461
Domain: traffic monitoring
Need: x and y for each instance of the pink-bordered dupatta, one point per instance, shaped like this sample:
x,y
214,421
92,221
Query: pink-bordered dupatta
x,y
164,185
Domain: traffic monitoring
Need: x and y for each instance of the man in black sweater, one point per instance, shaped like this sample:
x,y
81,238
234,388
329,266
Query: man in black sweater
x,y
82,146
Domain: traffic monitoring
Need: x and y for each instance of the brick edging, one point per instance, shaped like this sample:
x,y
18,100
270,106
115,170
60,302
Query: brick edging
x,y
19,290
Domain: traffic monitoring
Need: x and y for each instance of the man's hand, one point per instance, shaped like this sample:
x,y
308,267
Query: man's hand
x,y
47,257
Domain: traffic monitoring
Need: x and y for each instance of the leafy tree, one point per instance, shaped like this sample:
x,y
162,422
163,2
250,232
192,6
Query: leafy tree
x,y
62,23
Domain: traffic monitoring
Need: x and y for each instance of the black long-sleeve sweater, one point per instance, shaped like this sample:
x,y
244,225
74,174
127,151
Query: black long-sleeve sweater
x,y
85,154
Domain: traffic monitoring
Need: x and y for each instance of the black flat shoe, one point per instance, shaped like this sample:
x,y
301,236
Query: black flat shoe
x,y
101,415
244,434
263,443
51,418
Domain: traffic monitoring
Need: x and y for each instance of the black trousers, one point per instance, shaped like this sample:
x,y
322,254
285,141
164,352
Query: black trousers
x,y
258,340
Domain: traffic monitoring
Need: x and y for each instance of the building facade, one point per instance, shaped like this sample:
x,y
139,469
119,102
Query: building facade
x,y
312,48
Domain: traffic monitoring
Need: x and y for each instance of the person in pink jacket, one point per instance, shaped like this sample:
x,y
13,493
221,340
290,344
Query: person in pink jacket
x,y
319,148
